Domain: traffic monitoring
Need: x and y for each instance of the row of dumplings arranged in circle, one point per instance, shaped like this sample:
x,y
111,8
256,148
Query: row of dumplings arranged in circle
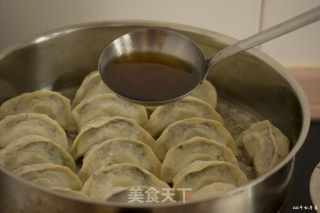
x,y
118,145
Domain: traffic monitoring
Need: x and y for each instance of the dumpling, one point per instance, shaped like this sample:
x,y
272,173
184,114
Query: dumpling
x,y
53,104
15,126
108,105
201,173
33,149
108,128
50,175
183,130
211,190
197,148
70,192
91,85
187,107
206,92
106,180
120,150
265,144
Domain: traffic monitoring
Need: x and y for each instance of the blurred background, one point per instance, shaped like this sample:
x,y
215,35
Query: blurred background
x,y
299,51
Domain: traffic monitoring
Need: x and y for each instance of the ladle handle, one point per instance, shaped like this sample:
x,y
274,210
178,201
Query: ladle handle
x,y
266,35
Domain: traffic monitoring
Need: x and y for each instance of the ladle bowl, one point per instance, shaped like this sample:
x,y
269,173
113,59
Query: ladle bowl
x,y
153,41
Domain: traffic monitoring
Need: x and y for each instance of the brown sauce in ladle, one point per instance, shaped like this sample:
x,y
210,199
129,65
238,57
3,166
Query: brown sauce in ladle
x,y
146,76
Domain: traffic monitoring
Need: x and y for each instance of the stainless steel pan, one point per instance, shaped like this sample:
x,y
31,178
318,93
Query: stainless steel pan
x,y
59,60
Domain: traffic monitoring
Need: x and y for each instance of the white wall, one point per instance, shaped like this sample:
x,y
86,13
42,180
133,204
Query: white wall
x,y
21,19
299,48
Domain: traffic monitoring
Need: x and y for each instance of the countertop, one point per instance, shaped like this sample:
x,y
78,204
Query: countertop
x,y
306,160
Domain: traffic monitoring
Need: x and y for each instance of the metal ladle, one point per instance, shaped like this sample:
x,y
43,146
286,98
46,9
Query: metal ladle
x,y
174,44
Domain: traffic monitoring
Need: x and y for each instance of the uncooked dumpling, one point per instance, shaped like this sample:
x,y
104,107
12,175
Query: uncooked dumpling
x,y
197,148
201,173
211,190
53,104
103,129
50,175
91,85
33,149
105,181
108,105
206,92
15,126
187,107
265,144
183,130
120,150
